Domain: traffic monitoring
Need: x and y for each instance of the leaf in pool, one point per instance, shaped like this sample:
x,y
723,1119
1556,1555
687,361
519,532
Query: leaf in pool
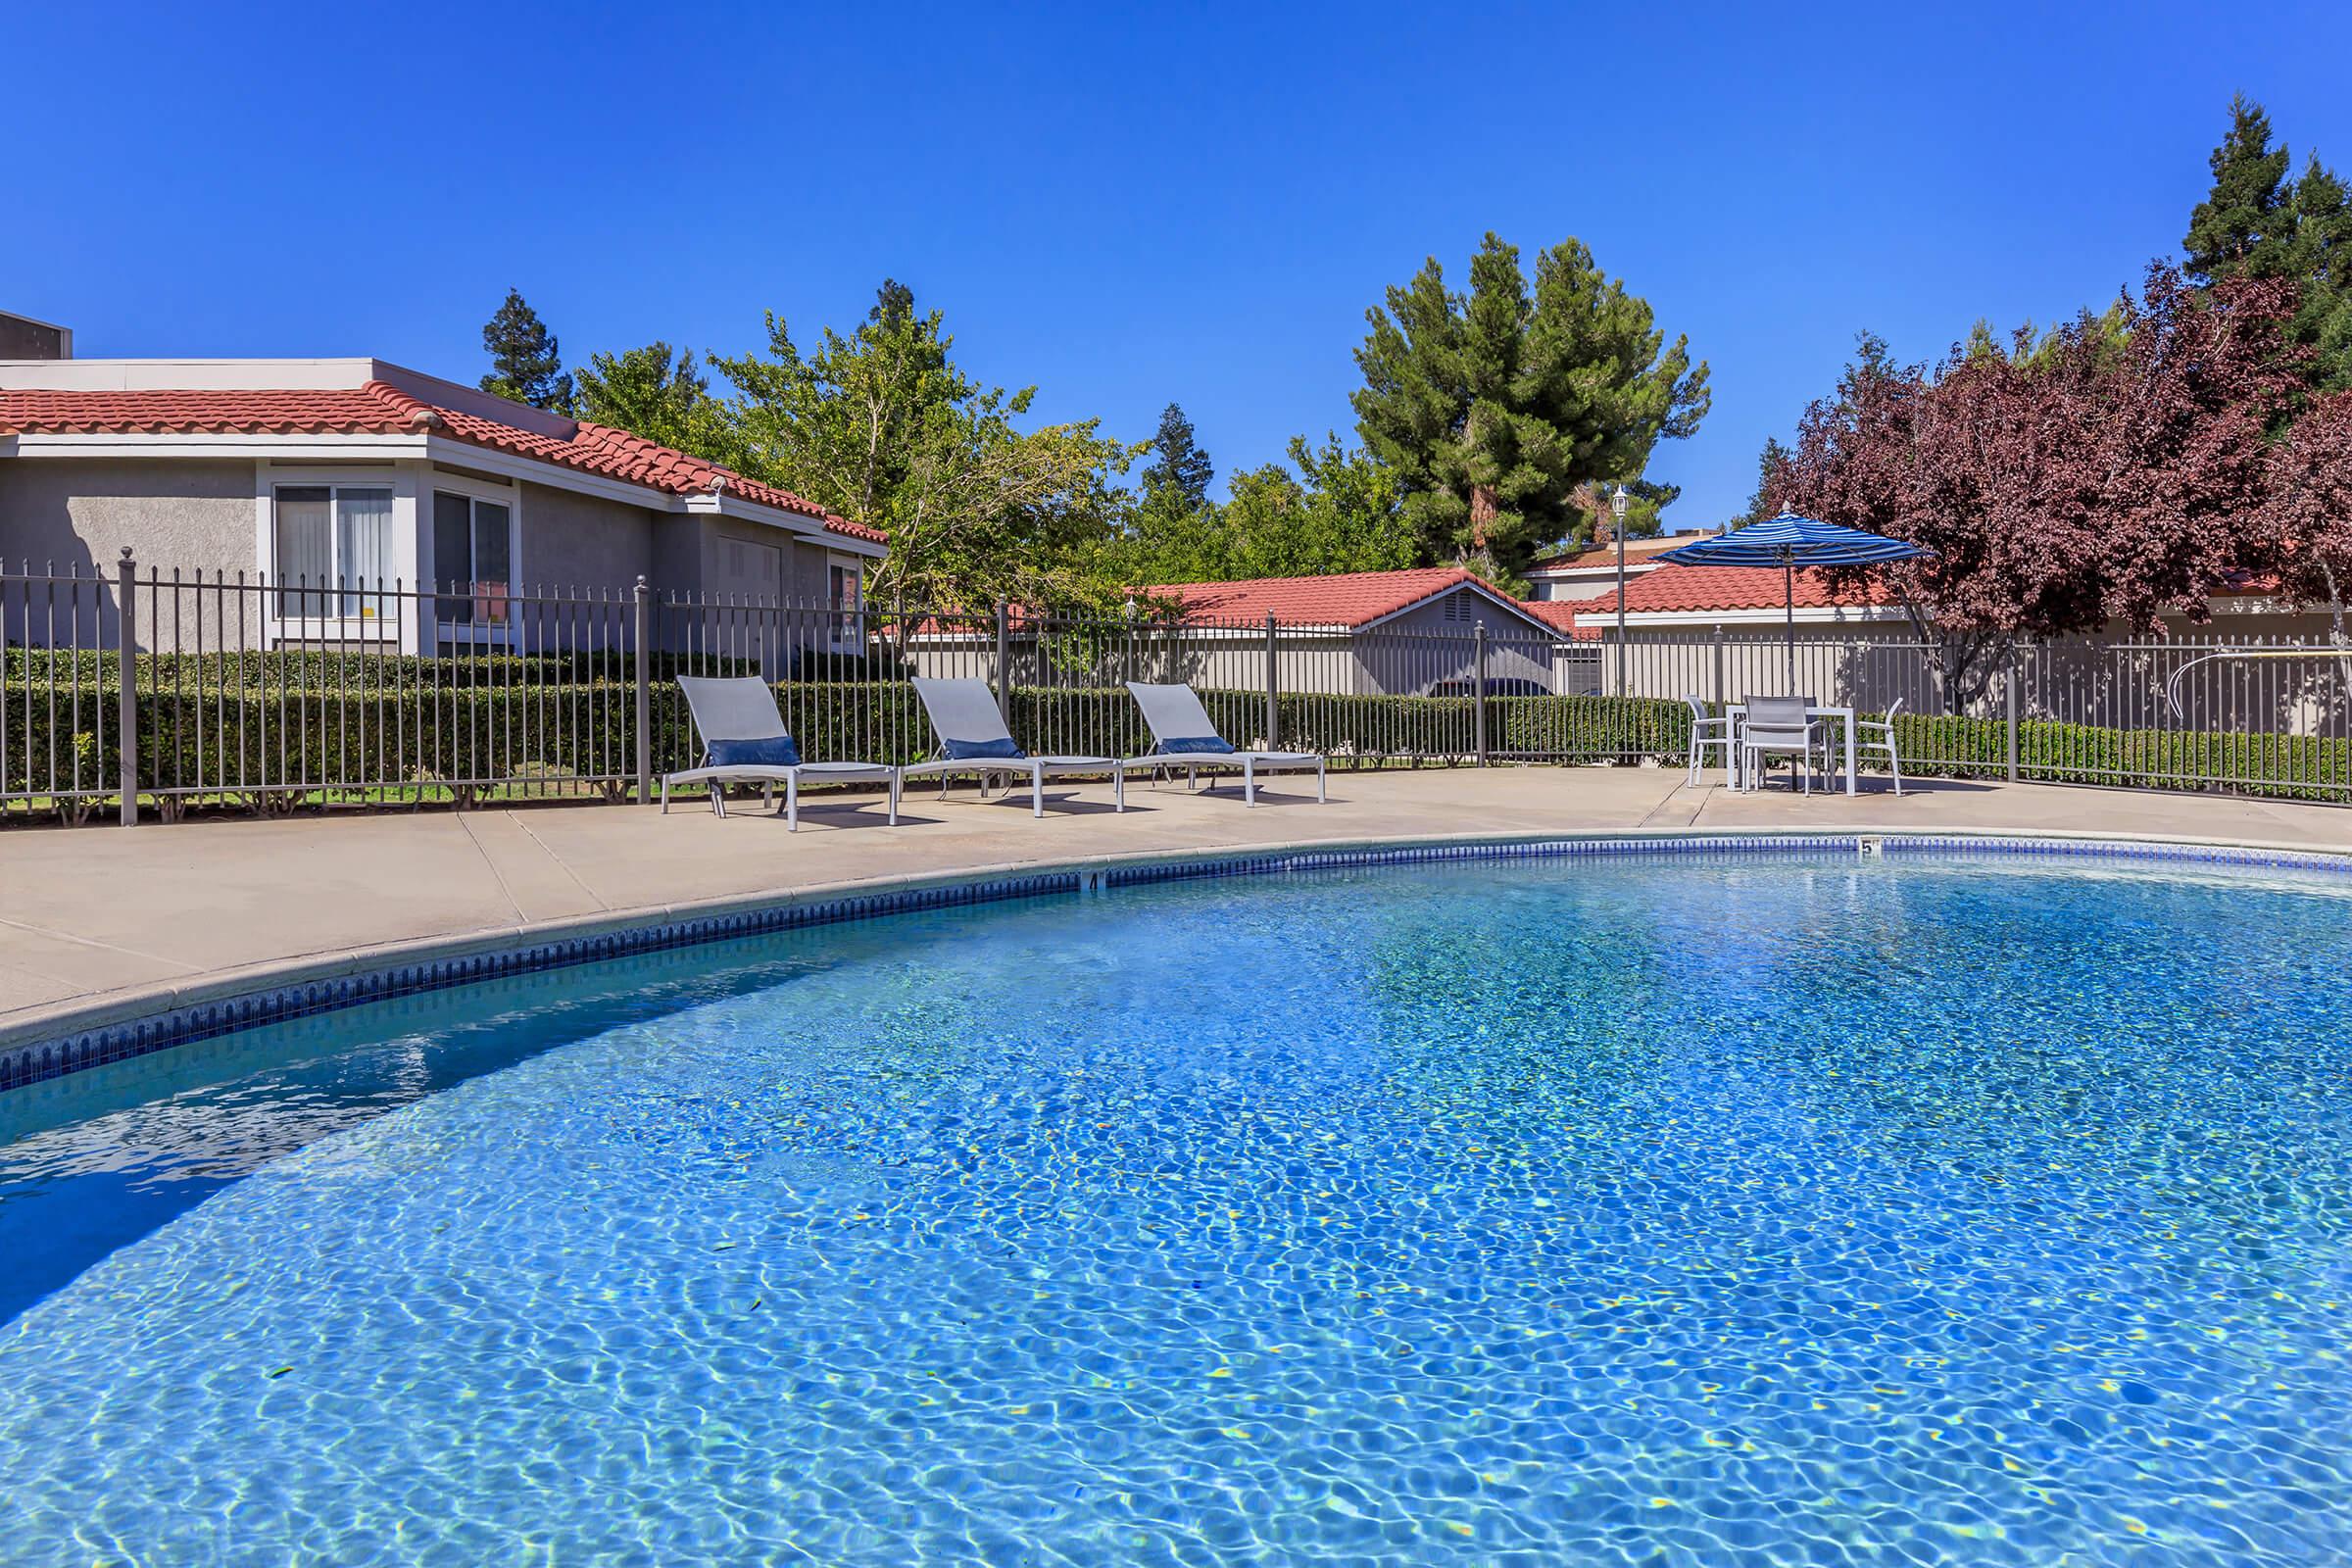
x,y
282,1372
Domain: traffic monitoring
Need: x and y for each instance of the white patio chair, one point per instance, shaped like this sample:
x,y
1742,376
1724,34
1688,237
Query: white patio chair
x,y
1706,732
740,711
1880,732
971,730
1777,726
1182,736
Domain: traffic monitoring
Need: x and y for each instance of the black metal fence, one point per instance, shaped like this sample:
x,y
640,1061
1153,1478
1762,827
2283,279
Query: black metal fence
x,y
271,696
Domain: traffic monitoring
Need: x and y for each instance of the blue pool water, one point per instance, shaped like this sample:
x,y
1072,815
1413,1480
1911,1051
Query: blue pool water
x,y
1682,1211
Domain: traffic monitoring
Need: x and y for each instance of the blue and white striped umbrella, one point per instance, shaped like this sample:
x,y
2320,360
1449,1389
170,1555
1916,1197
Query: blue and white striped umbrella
x,y
1789,542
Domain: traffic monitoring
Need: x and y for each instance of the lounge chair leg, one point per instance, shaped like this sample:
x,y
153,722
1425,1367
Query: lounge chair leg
x,y
1037,790
719,799
1118,787
1248,783
1322,796
665,797
791,804
894,782
768,795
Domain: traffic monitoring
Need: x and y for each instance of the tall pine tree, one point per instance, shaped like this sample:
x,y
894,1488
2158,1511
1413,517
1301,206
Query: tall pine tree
x,y
1180,472
2258,222
523,364
1497,406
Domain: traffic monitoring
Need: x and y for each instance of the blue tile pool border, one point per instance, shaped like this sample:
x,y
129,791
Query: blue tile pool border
x,y
42,1060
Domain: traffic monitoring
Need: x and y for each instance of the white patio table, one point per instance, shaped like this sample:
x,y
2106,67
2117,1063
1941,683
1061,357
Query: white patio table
x,y
1738,711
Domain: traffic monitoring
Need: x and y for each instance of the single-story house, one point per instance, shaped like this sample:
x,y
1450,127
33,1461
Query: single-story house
x,y
1366,633
1720,633
348,477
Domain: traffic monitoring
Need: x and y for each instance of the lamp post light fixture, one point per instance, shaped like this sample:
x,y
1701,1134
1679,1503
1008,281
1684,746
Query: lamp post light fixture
x,y
1617,509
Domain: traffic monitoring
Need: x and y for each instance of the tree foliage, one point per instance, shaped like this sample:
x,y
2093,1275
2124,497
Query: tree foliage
x,y
1180,472
881,428
2257,223
1495,406
2069,482
523,361
1333,509
659,393
2307,535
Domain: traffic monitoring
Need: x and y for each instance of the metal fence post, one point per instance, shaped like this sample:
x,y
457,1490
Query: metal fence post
x,y
126,682
1720,698
1477,691
1003,666
645,696
2009,700
1273,690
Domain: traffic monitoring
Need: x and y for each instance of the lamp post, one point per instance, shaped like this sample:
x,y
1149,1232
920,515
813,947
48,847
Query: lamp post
x,y
1617,506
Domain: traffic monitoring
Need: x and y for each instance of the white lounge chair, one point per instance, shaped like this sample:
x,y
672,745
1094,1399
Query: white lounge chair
x,y
971,730
1183,737
740,709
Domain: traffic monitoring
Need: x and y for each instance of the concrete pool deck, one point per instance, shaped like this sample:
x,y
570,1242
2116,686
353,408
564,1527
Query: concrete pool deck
x,y
103,923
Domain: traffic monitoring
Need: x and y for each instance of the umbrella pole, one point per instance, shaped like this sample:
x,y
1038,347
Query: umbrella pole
x,y
1789,578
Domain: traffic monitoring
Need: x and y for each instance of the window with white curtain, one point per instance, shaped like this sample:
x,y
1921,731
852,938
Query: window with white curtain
x,y
473,559
333,550
843,586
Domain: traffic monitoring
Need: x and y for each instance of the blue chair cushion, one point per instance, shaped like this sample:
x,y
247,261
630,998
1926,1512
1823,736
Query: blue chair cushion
x,y
1196,743
968,751
775,752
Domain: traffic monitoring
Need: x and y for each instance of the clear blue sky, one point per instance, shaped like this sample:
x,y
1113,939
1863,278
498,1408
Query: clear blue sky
x,y
1181,203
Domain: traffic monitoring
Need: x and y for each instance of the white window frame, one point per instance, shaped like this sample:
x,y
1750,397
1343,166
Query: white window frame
x,y
508,495
845,625
271,478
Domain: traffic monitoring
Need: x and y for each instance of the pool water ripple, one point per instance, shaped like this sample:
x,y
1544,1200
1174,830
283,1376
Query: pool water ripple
x,y
1603,1212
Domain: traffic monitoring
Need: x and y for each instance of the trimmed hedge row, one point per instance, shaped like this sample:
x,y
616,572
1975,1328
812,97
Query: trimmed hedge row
x,y
2302,768
280,747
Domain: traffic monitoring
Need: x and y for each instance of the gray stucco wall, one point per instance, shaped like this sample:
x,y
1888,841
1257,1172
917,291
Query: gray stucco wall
x,y
576,541
194,514
74,515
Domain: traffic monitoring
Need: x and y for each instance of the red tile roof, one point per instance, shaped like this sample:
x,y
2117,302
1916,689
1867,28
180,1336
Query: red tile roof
x,y
379,408
1638,552
1560,613
1347,599
1699,589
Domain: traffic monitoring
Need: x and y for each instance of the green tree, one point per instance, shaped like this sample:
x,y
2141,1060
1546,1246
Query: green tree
x,y
659,393
1333,508
2245,223
881,428
523,362
1181,474
1771,465
1494,407
2258,222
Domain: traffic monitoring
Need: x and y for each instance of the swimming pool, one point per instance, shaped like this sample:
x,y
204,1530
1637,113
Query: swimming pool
x,y
1636,1210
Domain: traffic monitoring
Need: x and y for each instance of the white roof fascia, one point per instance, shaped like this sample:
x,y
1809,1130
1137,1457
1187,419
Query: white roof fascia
x,y
310,446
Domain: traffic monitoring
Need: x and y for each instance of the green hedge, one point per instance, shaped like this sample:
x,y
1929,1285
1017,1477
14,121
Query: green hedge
x,y
405,739
2304,767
